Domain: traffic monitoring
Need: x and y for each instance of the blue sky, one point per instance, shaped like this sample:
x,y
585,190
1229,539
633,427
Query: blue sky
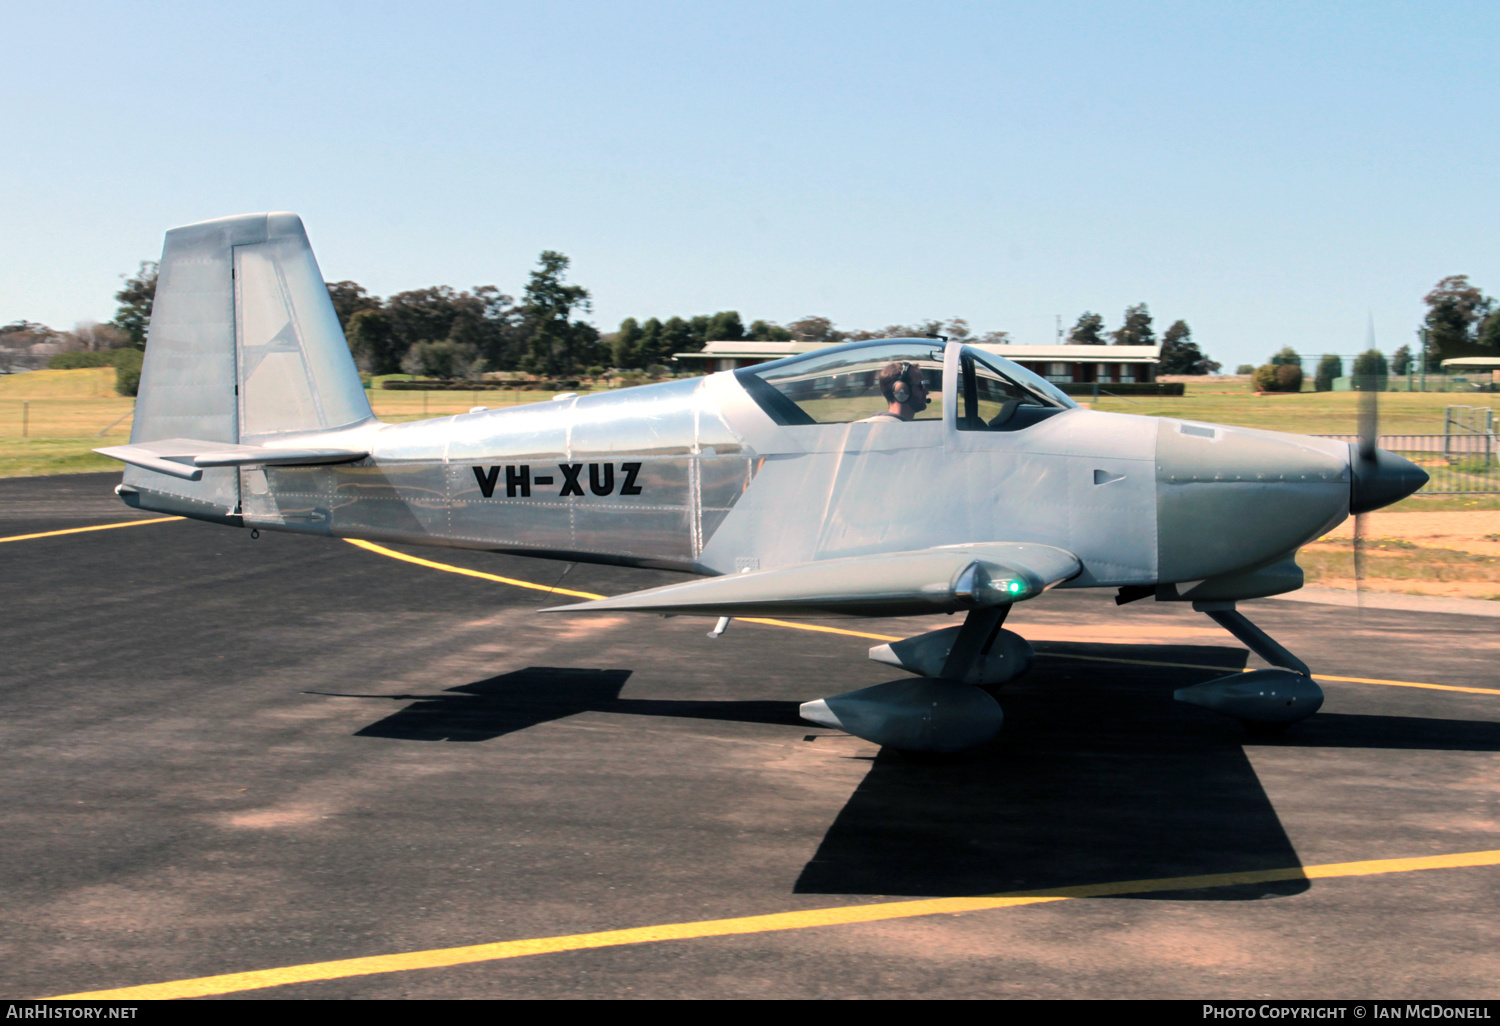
x,y
1272,173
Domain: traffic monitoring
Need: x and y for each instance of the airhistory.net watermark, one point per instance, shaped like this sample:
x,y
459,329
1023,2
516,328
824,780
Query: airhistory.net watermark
x,y
51,1011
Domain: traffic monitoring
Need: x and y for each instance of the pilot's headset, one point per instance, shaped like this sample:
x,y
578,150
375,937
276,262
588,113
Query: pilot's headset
x,y
901,386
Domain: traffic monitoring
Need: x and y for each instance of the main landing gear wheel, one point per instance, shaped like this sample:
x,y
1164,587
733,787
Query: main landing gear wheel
x,y
949,707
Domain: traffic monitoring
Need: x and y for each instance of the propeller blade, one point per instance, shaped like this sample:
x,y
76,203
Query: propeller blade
x,y
1369,440
1369,404
1359,561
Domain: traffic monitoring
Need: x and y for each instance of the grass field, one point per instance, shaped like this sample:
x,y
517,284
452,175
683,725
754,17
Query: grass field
x,y
50,419
1309,413
401,406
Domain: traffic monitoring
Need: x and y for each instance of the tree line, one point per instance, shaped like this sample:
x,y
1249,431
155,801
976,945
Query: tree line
x,y
443,332
1179,353
1283,372
1460,321
447,333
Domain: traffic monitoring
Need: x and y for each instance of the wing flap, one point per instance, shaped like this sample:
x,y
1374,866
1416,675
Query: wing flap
x,y
186,457
938,580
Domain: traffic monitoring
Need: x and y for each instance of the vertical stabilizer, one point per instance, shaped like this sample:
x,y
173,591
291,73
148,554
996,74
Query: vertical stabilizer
x,y
244,346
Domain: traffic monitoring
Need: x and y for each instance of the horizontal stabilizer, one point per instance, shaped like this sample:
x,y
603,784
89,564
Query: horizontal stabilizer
x,y
938,580
186,457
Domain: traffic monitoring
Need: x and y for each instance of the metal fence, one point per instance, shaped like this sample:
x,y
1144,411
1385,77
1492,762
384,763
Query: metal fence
x,y
1455,464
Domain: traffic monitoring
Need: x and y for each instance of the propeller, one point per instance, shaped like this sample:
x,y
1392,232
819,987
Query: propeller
x,y
1366,453
1379,477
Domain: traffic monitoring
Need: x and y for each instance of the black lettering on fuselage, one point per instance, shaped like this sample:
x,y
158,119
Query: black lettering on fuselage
x,y
518,478
486,480
630,487
570,475
604,485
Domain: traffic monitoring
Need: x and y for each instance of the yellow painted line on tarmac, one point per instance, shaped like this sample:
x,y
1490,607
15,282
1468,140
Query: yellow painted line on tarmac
x,y
1319,677
450,568
231,983
817,627
96,527
1407,684
466,572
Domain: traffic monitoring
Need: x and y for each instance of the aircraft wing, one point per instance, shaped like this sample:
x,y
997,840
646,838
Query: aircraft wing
x,y
950,578
186,457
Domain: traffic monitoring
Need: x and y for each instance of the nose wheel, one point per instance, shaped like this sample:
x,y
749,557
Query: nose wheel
x,y
1265,701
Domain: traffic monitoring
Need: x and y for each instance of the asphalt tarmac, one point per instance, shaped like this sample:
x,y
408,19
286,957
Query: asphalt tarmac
x,y
221,755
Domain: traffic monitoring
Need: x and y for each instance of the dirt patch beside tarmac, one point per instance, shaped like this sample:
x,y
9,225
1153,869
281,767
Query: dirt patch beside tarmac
x,y
1455,554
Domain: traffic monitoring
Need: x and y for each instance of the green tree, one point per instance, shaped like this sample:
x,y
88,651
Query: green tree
x,y
1181,355
372,339
768,331
725,326
349,298
676,337
486,319
136,298
1370,371
1287,356
1456,311
128,371
625,347
442,359
653,349
1285,377
468,333
815,329
1489,334
1089,331
1401,361
698,331
1245,368
1329,368
557,345
1136,331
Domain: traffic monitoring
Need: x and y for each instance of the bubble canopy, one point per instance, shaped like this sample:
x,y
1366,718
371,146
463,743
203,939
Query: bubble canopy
x,y
840,384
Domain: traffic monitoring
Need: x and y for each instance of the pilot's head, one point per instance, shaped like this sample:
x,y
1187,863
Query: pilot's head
x,y
904,388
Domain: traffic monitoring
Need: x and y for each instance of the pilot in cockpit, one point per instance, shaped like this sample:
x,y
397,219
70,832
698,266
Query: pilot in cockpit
x,y
904,389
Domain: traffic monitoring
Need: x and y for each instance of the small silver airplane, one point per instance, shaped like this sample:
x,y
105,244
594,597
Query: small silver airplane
x,y
898,477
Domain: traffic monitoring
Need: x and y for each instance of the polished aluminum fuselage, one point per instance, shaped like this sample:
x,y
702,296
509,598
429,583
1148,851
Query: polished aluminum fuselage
x,y
692,475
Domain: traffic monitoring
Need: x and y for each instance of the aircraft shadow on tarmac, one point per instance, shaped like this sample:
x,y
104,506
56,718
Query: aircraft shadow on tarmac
x,y
487,709
1099,775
